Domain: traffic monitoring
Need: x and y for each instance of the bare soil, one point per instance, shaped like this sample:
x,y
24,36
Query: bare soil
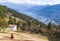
x,y
22,37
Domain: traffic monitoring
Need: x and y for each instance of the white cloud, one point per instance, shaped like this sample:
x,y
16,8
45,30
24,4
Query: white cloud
x,y
41,2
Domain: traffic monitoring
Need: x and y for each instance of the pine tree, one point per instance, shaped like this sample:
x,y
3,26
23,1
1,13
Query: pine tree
x,y
50,28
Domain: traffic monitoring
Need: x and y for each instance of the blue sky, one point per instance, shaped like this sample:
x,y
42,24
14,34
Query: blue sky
x,y
36,2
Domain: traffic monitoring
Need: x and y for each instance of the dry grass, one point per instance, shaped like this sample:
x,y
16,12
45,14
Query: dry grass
x,y
21,37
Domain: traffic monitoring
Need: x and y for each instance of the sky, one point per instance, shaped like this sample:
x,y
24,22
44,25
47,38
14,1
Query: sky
x,y
36,2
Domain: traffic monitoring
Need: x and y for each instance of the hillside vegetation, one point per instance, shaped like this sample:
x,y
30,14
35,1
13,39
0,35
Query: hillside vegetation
x,y
26,23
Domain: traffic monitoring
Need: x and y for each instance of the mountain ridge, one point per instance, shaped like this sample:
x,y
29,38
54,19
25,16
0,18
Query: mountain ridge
x,y
50,12
37,11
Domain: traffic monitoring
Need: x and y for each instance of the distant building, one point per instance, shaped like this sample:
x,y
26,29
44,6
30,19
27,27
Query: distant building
x,y
12,27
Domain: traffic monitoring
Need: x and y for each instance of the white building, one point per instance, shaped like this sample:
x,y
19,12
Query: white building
x,y
12,27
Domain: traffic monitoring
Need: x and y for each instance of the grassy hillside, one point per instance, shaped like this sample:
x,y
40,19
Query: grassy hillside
x,y
29,21
26,23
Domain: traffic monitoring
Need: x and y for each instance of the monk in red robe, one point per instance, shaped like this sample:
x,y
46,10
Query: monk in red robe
x,y
12,36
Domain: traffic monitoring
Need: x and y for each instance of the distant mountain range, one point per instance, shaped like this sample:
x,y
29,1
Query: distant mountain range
x,y
43,13
50,12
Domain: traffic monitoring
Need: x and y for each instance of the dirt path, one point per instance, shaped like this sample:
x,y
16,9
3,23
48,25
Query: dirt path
x,y
21,37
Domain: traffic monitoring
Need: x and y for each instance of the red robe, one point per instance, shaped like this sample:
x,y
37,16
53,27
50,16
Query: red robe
x,y
12,36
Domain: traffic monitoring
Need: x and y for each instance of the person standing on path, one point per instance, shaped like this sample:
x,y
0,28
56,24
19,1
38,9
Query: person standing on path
x,y
12,35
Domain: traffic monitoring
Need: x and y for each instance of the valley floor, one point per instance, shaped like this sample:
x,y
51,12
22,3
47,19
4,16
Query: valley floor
x,y
22,37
